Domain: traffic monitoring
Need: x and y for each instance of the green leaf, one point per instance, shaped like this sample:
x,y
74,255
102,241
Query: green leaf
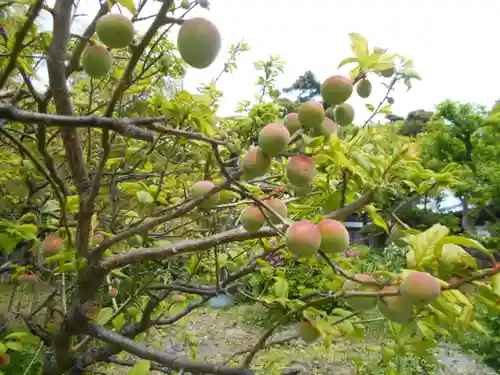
x,y
359,45
3,348
495,283
118,322
280,288
14,345
370,107
142,367
16,335
426,331
346,61
104,315
376,218
129,4
464,241
120,274
411,73
144,197
332,202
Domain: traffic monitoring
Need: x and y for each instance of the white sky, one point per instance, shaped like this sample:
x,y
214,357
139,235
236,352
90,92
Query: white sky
x,y
452,43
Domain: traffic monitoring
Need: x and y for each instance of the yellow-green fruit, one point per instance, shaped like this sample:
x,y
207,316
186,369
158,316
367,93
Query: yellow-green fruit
x,y
327,127
395,308
308,332
397,236
199,42
274,138
334,236
277,205
203,3
185,4
330,113
252,219
311,114
292,122
96,61
255,163
364,88
132,311
300,171
388,72
303,239
115,30
344,114
201,188
420,288
336,89
361,303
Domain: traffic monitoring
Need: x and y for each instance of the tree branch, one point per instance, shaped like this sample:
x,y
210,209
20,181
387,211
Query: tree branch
x,y
145,352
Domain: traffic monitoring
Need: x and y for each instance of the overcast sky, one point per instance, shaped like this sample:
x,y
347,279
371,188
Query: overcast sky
x,y
452,43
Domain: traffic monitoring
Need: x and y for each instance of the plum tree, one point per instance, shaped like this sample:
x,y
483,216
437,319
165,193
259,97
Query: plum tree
x,y
364,88
51,245
396,308
274,138
115,30
362,303
303,239
199,42
292,122
203,187
420,288
334,236
344,114
97,61
255,162
277,205
308,332
311,114
252,218
336,89
300,171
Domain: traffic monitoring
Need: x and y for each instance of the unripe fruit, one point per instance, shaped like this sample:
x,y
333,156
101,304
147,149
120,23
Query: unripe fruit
x,y
199,42
252,219
28,278
115,30
113,292
300,171
395,308
96,61
334,236
330,113
178,298
4,359
201,188
420,288
185,4
277,205
255,163
364,88
132,311
326,128
311,114
344,114
336,89
274,138
388,72
51,245
361,303
203,3
292,122
308,332
303,239
396,235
